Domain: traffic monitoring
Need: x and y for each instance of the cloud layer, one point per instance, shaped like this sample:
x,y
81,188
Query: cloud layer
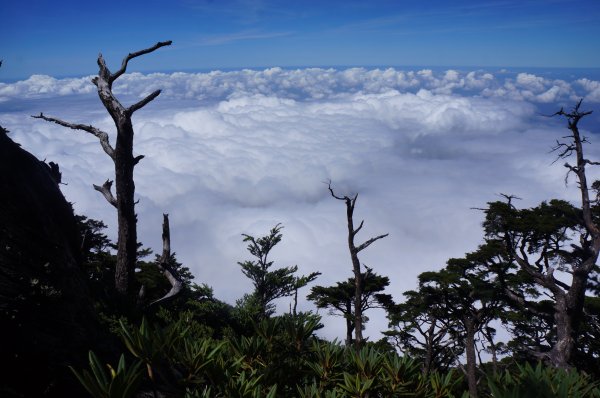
x,y
237,152
316,83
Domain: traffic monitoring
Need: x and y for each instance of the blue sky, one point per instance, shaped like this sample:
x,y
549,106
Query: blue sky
x,y
63,37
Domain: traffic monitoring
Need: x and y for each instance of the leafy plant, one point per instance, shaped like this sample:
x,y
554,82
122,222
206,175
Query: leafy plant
x,y
543,382
110,383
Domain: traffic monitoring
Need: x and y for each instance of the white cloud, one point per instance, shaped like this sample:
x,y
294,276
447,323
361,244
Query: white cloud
x,y
592,88
313,83
237,152
531,82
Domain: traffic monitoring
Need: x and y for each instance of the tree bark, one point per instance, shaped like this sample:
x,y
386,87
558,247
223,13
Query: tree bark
x,y
471,359
126,217
429,349
562,350
349,324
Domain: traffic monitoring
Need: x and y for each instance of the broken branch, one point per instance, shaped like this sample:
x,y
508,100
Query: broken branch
x,y
105,190
163,264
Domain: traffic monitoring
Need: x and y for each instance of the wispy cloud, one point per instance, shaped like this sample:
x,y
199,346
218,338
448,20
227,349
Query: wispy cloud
x,y
214,40
464,18
245,12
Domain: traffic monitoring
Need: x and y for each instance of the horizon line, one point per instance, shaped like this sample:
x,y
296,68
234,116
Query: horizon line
x,y
407,67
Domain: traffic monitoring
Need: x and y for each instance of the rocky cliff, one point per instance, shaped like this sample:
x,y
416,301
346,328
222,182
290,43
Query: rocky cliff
x,y
46,316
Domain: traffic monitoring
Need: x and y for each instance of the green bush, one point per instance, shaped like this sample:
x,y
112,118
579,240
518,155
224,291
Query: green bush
x,y
542,382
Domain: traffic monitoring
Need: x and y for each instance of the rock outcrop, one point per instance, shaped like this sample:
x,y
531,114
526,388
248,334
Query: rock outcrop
x,y
46,316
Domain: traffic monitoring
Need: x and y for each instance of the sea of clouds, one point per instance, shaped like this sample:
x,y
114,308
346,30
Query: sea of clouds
x,y
232,152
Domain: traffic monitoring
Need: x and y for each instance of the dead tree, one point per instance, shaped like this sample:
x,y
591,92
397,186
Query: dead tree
x,y
124,162
573,247
163,264
354,250
569,300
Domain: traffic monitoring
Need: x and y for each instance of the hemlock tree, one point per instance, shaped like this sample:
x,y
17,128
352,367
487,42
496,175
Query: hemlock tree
x,y
339,298
269,285
124,162
420,329
555,237
354,250
467,292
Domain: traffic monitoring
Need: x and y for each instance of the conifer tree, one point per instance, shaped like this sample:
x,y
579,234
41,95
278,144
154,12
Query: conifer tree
x,y
269,284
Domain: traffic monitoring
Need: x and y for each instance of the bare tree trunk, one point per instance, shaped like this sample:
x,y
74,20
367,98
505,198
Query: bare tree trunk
x,y
490,338
163,264
429,342
358,286
568,308
560,354
354,250
349,324
126,217
124,161
471,360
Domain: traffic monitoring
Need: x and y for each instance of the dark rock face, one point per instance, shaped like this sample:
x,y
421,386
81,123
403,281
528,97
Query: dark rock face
x,y
46,316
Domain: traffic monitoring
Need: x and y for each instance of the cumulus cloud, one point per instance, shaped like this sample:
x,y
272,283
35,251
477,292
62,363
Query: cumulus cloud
x,y
315,83
592,88
237,152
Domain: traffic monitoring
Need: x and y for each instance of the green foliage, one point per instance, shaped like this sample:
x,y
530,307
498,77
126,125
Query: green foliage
x,y
327,364
343,372
110,383
542,382
339,298
399,374
445,385
269,285
421,329
356,386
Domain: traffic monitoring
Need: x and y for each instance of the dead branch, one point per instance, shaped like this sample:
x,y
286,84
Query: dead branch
x,y
509,198
368,243
131,56
143,102
102,136
163,264
137,159
105,190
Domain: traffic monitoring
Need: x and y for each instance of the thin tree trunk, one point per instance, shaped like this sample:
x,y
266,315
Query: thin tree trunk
x,y
354,250
471,360
358,289
349,324
429,349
